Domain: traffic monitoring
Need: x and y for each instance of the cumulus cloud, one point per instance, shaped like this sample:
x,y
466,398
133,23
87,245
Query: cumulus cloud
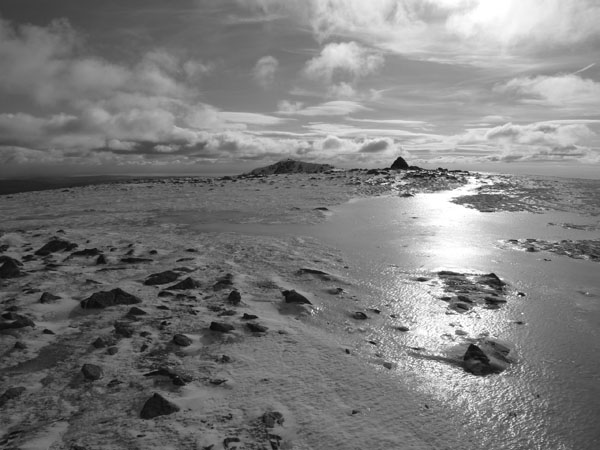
x,y
344,60
566,90
264,71
472,30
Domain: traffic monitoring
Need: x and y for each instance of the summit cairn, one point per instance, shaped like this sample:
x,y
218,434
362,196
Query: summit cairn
x,y
400,164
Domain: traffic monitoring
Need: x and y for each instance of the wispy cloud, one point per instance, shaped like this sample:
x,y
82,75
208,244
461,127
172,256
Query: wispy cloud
x,y
333,108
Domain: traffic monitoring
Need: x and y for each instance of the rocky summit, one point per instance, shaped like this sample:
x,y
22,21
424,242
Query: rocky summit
x,y
291,166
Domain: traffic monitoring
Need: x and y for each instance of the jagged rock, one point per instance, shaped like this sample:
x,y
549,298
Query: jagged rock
x,y
48,298
165,277
291,166
399,164
178,378
10,394
256,328
249,316
104,299
55,245
186,284
101,260
221,327
476,361
10,269
402,328
318,273
156,406
124,329
15,321
492,280
102,342
293,297
135,311
182,340
234,298
223,282
92,372
112,350
20,345
272,418
47,331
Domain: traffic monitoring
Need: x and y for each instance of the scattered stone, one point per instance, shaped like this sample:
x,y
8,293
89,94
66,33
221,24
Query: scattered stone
x,y
19,345
388,365
358,315
230,440
186,284
47,331
55,245
161,278
177,378
135,260
166,294
87,252
10,269
156,406
124,329
182,340
247,316
135,311
223,282
48,298
10,394
293,297
272,418
105,299
321,208
403,328
224,359
318,273
92,372
112,350
101,260
234,298
221,327
102,342
217,381
226,312
256,328
476,361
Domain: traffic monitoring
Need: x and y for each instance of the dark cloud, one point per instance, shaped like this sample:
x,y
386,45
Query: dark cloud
x,y
375,146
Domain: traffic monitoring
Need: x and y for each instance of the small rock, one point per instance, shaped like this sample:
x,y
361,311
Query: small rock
x,y
156,406
403,328
15,321
186,284
20,345
223,282
112,350
359,315
10,394
293,297
101,260
135,260
182,340
249,316
10,269
48,298
105,299
272,418
161,278
476,361
256,328
47,331
388,365
234,298
92,372
135,311
101,342
87,252
221,327
55,245
124,329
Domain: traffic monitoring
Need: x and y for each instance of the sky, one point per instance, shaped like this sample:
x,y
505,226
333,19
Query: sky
x,y
197,86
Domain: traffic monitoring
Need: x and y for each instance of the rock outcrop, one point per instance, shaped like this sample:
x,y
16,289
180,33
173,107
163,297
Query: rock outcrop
x,y
291,166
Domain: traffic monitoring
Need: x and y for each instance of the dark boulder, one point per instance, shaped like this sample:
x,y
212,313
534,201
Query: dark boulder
x,y
10,394
256,328
293,297
221,327
135,311
15,321
156,406
477,362
359,315
272,418
10,269
124,329
92,372
104,299
135,260
55,245
47,297
101,260
87,252
184,285
234,297
182,340
165,277
224,282
399,164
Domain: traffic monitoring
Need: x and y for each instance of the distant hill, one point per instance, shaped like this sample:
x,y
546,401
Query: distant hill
x,y
291,166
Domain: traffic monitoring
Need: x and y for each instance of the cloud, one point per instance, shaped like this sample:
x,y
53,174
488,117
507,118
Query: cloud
x,y
251,118
375,146
449,30
264,71
332,108
561,90
400,122
343,61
